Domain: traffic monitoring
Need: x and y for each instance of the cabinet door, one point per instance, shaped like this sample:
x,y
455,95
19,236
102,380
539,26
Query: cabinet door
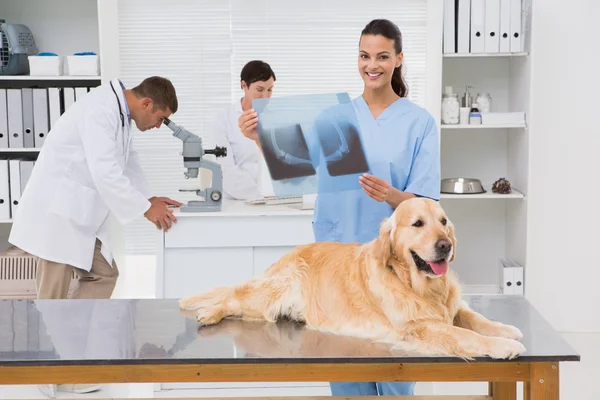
x,y
189,271
264,257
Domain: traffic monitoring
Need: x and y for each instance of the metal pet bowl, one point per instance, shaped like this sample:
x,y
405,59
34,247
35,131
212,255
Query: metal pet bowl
x,y
462,186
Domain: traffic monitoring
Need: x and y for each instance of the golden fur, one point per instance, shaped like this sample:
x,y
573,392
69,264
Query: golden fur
x,y
374,291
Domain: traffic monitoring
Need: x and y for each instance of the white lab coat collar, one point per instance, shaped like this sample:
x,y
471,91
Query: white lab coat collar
x,y
116,83
121,95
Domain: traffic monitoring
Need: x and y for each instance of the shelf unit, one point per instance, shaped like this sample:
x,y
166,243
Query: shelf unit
x,y
54,30
487,230
486,55
484,127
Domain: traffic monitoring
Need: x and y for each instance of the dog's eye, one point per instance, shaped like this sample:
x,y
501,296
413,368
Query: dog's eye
x,y
444,221
418,223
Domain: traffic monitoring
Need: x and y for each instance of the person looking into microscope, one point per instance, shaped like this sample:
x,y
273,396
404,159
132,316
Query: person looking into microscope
x,y
244,165
86,170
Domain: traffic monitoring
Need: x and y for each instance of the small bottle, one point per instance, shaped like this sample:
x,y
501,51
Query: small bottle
x,y
475,115
467,100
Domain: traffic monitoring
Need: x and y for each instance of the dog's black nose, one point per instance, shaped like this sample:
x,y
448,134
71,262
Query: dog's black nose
x,y
443,246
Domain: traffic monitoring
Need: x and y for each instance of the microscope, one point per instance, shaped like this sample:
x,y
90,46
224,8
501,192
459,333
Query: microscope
x,y
192,160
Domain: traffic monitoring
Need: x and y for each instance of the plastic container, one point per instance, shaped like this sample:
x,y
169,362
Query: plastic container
x,y
450,107
45,65
484,102
83,65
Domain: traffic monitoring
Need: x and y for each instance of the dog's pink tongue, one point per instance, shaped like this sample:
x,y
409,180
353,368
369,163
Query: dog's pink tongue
x,y
439,267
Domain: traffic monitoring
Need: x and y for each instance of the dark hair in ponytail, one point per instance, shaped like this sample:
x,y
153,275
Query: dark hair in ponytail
x,y
388,29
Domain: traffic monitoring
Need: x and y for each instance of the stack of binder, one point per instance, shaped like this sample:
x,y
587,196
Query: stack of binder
x,y
482,26
14,175
27,115
511,277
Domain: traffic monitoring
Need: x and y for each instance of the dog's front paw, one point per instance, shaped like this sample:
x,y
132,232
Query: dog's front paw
x,y
504,348
497,329
510,332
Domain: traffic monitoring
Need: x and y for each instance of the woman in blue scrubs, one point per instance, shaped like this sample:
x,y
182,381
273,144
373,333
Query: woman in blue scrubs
x,y
401,142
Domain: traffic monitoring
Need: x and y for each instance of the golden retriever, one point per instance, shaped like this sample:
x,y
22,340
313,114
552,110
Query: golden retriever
x,y
395,289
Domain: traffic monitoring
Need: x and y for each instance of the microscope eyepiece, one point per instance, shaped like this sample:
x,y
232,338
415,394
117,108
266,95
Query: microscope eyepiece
x,y
166,121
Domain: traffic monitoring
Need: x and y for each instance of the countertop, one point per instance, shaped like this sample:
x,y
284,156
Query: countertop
x,y
238,208
155,331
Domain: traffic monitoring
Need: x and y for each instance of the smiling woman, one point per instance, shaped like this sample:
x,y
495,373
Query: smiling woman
x,y
401,142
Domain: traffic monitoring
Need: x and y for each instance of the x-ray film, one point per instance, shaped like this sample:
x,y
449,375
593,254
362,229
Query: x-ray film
x,y
311,143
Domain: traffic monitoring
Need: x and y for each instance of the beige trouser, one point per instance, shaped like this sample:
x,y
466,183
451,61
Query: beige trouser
x,y
53,279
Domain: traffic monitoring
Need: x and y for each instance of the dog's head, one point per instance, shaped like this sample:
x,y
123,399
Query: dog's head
x,y
420,236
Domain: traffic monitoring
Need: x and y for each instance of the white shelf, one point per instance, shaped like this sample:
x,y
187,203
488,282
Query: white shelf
x,y
47,78
20,150
496,126
479,55
5,221
488,195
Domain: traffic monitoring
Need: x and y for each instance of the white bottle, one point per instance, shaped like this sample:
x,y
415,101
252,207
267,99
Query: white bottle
x,y
484,101
475,115
450,107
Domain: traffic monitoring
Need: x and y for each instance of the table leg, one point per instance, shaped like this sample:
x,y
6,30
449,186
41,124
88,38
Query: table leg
x,y
503,390
543,384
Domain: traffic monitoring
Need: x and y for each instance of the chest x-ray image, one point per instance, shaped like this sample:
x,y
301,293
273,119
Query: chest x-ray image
x,y
311,136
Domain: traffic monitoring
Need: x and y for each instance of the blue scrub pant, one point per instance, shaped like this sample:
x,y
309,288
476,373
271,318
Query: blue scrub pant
x,y
372,388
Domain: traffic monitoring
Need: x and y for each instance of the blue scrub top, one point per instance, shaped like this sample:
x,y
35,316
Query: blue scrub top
x,y
402,147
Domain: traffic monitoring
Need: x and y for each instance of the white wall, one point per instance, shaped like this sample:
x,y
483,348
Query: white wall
x,y
563,266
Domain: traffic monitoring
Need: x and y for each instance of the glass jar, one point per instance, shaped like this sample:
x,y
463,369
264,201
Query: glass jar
x,y
484,101
450,108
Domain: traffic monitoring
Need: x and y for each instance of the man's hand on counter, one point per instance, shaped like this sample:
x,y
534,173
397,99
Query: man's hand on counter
x,y
165,200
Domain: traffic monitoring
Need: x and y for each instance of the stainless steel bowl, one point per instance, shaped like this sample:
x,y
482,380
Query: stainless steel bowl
x,y
462,186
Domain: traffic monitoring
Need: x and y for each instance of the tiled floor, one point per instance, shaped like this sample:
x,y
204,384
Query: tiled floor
x,y
138,282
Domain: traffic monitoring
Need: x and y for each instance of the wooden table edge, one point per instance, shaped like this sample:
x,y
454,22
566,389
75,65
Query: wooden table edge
x,y
276,372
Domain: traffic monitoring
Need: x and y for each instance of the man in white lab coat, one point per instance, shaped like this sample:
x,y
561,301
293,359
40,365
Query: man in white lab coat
x,y
245,174
86,170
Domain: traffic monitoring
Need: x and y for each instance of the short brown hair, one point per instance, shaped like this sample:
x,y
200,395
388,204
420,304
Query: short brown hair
x,y
160,90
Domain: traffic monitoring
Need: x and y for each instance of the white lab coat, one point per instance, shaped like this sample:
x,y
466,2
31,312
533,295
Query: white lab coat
x,y
85,170
245,173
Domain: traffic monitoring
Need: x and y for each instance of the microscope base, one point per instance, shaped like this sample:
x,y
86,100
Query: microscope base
x,y
200,206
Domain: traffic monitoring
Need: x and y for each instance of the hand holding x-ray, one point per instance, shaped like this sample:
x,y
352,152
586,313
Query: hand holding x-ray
x,y
248,122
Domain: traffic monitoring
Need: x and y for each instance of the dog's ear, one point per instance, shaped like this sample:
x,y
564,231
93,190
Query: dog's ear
x,y
383,250
452,237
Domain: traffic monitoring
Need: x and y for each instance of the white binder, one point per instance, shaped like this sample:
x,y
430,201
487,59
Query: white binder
x,y
26,170
27,97
69,97
505,26
3,120
15,185
463,27
80,92
40,115
53,105
511,276
492,26
4,191
15,118
515,26
477,26
449,27
507,278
